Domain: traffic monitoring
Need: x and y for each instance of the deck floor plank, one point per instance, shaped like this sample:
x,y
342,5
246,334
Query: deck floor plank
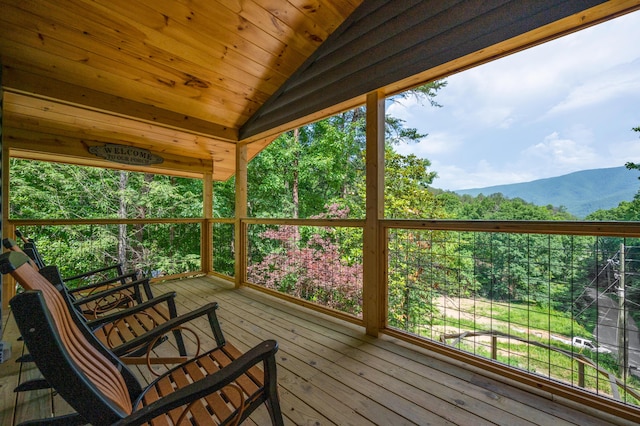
x,y
492,399
538,407
296,365
398,392
29,405
329,371
327,357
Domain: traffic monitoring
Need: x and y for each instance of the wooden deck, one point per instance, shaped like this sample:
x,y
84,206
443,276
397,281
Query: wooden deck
x,y
330,372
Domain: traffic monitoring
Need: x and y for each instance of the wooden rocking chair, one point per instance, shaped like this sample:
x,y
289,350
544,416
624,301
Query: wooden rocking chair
x,y
133,333
130,287
219,387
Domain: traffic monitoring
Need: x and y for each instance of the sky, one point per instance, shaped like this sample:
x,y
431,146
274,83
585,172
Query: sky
x,y
564,106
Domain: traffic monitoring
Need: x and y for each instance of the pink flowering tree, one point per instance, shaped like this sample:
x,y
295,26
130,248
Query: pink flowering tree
x,y
314,263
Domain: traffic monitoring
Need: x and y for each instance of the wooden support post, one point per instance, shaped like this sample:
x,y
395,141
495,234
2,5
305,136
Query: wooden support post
x,y
494,347
240,213
206,240
581,380
373,262
622,321
4,300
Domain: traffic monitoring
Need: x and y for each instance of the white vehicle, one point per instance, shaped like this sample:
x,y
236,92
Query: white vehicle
x,y
582,343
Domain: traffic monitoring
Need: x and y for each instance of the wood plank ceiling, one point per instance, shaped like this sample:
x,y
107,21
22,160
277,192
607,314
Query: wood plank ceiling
x,y
177,77
190,79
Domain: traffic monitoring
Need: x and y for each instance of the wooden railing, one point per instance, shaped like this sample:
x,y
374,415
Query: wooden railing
x,y
417,248
542,282
73,244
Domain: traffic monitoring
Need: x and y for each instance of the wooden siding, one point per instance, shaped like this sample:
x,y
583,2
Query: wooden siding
x,y
331,373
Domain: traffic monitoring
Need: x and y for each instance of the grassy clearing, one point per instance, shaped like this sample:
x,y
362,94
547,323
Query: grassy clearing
x,y
530,323
534,317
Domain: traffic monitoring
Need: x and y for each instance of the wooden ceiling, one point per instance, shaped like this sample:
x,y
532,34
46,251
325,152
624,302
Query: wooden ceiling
x,y
190,79
178,77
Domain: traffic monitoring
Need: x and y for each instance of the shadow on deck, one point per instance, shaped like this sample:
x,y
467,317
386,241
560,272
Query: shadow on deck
x,y
330,372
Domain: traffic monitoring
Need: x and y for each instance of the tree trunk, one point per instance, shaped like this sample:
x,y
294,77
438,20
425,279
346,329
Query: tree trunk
x,y
141,254
296,161
122,214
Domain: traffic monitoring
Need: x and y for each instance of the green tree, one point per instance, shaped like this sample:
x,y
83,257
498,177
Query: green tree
x,y
630,165
43,190
516,267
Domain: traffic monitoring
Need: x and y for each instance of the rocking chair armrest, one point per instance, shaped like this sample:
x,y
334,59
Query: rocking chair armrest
x,y
119,279
144,282
96,271
208,385
162,329
109,318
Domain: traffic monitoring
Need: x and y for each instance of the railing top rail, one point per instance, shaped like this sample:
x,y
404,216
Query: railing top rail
x,y
222,220
306,222
610,228
617,229
115,221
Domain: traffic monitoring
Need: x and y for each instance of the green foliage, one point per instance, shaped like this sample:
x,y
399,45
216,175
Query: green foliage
x,y
42,190
427,92
407,195
535,317
308,262
498,207
629,165
305,170
318,171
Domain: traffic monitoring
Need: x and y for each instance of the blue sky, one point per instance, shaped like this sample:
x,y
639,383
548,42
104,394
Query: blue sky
x,y
560,107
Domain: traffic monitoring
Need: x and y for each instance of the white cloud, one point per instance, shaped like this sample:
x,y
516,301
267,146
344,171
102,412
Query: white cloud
x,y
480,175
630,148
435,144
620,81
562,155
500,117
593,65
403,109
557,108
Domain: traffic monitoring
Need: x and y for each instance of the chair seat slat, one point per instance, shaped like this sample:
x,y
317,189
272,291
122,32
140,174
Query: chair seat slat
x,y
212,363
256,374
164,387
160,313
137,324
249,382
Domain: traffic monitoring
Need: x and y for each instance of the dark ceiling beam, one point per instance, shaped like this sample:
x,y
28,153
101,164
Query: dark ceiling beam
x,y
384,42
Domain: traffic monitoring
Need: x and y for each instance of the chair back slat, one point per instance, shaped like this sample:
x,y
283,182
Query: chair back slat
x,y
99,371
10,244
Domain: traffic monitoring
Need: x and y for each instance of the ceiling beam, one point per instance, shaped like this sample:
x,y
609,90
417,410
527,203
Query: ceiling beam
x,y
18,78
44,147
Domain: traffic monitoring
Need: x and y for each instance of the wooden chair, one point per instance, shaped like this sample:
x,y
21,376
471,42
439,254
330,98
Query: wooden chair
x,y
115,270
218,387
130,333
85,294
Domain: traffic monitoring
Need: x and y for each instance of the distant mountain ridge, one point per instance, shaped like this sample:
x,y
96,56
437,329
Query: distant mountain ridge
x,y
580,192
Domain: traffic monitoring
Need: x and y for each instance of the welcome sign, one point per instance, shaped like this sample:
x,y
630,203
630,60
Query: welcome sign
x,y
126,154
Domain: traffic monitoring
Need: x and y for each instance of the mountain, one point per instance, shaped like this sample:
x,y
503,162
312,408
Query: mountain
x,y
580,192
